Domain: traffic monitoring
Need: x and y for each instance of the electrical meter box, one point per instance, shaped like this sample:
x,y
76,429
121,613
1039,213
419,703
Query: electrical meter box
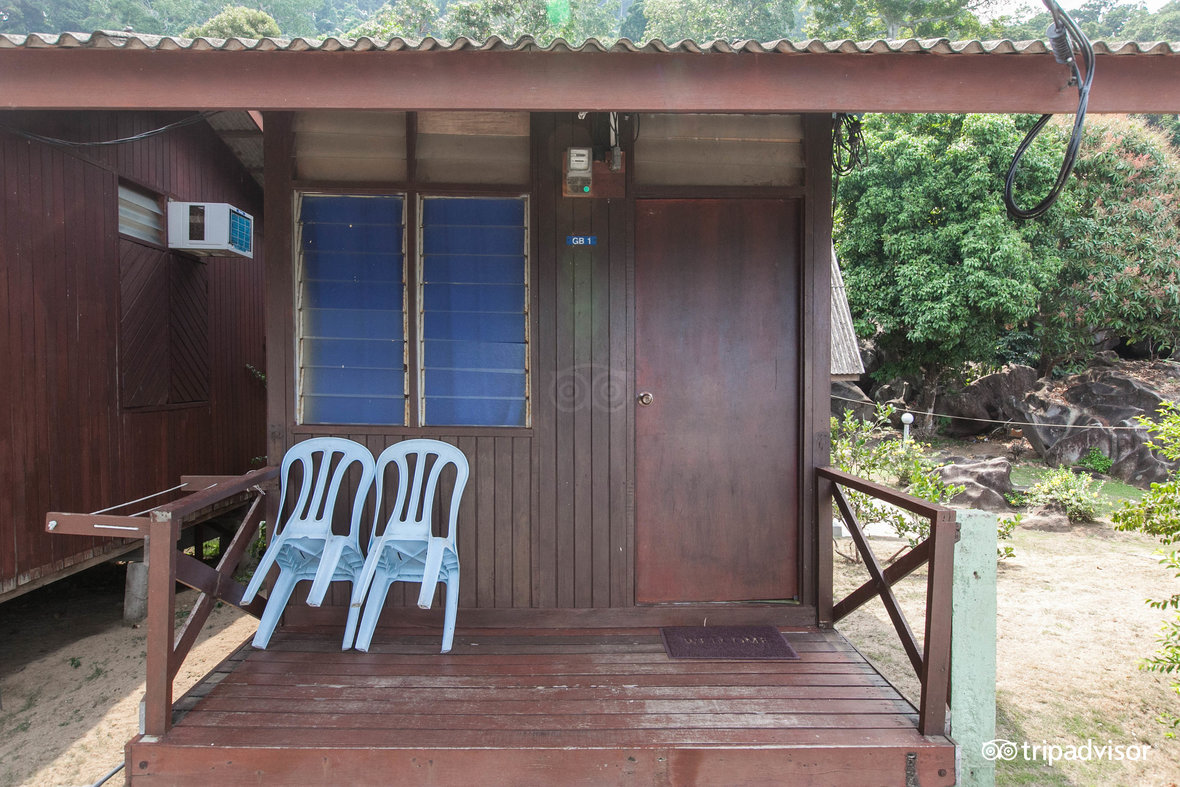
x,y
210,229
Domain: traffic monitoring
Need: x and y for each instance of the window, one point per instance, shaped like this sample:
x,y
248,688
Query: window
x,y
469,297
351,310
141,214
474,312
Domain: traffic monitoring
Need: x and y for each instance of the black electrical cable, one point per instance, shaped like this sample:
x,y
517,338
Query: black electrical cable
x,y
1064,37
109,775
848,145
187,121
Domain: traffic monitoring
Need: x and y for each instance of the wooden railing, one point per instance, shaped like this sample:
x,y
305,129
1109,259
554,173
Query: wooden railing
x,y
931,662
219,497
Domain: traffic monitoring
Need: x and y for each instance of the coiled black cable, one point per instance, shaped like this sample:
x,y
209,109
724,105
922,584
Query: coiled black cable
x,y
1064,36
848,145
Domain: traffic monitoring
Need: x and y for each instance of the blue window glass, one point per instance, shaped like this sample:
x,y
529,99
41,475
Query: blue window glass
x,y
352,354
474,312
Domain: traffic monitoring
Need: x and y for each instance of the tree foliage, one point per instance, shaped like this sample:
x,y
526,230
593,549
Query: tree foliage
x,y
944,277
933,265
410,19
237,22
703,20
1106,20
1158,514
866,19
1119,243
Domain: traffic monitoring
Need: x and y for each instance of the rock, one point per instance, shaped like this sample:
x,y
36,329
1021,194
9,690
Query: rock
x,y
896,390
991,398
984,483
847,395
1097,410
1047,517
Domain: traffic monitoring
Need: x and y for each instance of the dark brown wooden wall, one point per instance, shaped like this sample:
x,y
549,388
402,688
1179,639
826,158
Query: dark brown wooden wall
x,y
547,520
67,442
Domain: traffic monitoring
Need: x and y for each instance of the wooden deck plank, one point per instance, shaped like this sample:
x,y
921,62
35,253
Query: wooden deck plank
x,y
182,767
528,707
266,737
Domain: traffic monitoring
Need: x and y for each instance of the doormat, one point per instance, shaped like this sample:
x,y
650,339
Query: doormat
x,y
739,643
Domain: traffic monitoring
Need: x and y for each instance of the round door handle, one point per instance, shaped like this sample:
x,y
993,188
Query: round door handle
x,y
645,398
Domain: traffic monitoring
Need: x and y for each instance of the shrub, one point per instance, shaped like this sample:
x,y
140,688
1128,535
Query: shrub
x,y
1073,492
1158,514
1096,460
865,449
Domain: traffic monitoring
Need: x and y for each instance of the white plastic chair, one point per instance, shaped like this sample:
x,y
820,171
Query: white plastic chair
x,y
303,545
405,550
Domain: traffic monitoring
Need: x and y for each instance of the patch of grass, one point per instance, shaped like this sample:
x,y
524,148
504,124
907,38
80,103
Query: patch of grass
x,y
1020,771
75,662
97,672
1112,493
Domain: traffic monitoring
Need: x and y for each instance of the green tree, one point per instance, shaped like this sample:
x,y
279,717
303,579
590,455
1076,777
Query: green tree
x,y
1119,243
156,17
236,22
934,266
1158,514
865,19
411,19
701,20
1163,25
545,20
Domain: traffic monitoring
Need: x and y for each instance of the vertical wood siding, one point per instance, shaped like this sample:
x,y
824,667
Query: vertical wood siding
x,y
67,442
547,518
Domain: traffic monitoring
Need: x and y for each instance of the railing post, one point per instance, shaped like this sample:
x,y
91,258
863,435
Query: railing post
x,y
161,621
937,646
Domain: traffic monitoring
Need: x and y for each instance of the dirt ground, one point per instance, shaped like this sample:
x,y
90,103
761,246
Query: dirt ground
x,y
1073,627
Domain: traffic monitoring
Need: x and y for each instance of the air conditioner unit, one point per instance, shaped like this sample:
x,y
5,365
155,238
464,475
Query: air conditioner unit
x,y
211,229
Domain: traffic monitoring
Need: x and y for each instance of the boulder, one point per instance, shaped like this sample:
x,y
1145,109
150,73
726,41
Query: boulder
x,y
1047,517
847,395
984,483
992,398
1097,409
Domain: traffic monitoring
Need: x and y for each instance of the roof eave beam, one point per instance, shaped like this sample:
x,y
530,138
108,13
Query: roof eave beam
x,y
568,81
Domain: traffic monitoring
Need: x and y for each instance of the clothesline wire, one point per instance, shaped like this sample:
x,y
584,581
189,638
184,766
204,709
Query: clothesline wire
x,y
991,420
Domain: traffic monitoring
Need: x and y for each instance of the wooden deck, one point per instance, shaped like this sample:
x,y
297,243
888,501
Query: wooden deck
x,y
544,707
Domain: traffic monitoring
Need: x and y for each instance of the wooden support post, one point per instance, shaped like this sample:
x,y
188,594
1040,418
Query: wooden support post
x,y
135,593
161,558
937,655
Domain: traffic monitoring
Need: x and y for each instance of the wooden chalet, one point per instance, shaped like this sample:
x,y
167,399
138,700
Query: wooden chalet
x,y
128,363
637,369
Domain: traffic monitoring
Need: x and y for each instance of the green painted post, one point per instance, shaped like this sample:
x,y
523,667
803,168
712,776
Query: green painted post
x,y
973,647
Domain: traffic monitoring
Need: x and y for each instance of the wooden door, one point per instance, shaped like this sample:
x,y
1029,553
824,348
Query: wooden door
x,y
717,347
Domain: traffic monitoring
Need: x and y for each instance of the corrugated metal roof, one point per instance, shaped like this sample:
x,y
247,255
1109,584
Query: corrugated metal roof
x,y
846,361
935,46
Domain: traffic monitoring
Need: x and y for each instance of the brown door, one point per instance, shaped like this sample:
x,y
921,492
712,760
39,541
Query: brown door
x,y
716,310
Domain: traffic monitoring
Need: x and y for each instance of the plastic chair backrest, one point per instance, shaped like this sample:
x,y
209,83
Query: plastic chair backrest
x,y
321,482
417,487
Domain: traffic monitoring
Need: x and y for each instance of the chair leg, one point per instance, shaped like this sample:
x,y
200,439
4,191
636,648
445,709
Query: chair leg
x,y
275,605
373,604
451,608
264,566
360,588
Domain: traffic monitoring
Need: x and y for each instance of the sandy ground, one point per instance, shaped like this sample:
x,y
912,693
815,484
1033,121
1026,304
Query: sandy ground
x,y
72,675
1073,627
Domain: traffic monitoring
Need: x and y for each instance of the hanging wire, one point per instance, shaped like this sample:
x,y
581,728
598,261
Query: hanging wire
x,y
69,143
848,146
1064,37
